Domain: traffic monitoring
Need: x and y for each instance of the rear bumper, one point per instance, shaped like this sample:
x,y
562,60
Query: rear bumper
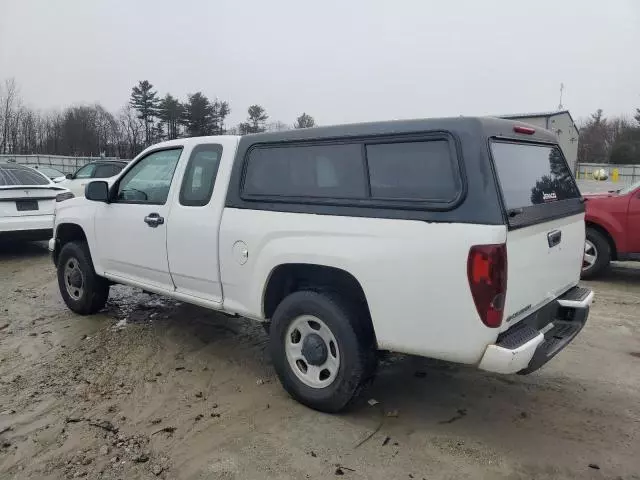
x,y
29,227
534,341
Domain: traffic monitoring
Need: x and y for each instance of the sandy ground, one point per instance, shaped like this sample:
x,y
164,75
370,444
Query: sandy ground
x,y
178,392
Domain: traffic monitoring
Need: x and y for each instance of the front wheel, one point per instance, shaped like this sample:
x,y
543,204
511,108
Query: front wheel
x,y
81,288
322,348
597,254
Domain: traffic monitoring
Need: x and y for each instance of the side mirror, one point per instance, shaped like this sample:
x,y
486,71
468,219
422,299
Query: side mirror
x,y
69,176
98,191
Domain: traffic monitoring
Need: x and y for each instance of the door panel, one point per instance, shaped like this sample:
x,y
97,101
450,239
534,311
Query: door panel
x,y
192,231
130,248
132,230
80,180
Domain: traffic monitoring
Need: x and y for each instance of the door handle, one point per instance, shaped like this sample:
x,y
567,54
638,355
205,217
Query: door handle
x,y
554,238
153,220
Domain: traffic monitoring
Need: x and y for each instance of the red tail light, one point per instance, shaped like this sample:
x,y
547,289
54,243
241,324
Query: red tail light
x,y
487,272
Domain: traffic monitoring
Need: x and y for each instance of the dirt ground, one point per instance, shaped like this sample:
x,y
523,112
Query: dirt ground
x,y
155,389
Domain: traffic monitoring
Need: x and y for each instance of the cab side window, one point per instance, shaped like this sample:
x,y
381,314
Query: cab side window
x,y
106,170
86,171
200,175
149,180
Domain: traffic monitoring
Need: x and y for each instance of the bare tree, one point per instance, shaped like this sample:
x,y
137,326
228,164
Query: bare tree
x,y
8,102
277,126
133,130
614,140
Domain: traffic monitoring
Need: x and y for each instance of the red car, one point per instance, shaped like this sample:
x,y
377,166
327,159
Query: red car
x,y
613,229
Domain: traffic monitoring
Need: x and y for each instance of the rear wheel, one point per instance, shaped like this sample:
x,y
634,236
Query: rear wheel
x,y
322,348
81,288
597,254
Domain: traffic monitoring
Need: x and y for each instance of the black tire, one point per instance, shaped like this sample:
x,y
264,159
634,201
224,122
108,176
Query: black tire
x,y
356,345
603,254
95,290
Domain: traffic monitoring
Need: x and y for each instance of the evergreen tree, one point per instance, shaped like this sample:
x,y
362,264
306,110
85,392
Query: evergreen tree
x,y
220,111
199,116
157,132
255,121
223,113
145,101
171,112
304,121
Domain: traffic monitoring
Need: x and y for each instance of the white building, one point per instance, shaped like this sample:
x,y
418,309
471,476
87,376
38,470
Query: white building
x,y
562,124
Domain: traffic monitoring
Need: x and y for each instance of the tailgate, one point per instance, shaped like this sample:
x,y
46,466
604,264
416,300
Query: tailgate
x,y
545,238
26,201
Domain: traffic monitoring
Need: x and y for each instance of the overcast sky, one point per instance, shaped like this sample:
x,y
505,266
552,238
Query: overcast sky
x,y
340,61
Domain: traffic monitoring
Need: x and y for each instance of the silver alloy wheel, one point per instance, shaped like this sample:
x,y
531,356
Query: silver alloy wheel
x,y
73,279
590,255
312,351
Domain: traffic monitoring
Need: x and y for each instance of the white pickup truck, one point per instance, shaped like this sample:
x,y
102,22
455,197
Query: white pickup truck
x,y
459,239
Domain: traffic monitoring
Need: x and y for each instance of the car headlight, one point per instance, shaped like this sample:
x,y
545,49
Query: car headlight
x,y
61,197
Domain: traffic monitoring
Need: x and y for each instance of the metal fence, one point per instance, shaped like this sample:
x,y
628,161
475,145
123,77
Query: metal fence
x,y
617,174
59,162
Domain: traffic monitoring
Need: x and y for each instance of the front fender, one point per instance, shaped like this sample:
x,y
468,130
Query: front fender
x,y
78,211
610,224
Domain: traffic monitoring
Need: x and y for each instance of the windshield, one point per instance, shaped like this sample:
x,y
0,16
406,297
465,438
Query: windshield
x,y
50,172
629,188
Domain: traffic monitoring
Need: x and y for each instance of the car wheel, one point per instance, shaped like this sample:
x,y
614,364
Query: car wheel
x,y
597,254
322,348
81,288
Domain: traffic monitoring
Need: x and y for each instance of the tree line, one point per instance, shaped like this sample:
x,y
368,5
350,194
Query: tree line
x,y
610,140
147,118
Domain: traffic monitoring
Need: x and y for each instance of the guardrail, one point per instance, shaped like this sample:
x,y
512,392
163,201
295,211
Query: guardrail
x,y
59,162
625,174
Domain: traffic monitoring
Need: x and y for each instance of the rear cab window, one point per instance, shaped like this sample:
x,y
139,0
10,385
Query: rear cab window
x,y
532,177
12,175
371,171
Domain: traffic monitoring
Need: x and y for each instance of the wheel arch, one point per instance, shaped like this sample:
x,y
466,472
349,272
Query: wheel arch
x,y
287,278
65,233
605,233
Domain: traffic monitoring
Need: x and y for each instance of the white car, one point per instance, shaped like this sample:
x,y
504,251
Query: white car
x,y
27,203
459,239
53,173
106,169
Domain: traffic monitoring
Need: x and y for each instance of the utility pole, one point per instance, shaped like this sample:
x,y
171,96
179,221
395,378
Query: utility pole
x,y
561,90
